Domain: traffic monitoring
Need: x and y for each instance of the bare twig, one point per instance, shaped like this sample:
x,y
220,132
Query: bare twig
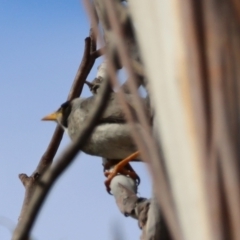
x,y
99,52
75,91
61,164
30,183
153,156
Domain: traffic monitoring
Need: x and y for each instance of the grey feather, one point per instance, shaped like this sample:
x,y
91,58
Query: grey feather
x,y
111,138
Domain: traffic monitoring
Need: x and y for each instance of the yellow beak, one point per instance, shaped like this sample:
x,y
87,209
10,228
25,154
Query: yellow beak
x,y
52,117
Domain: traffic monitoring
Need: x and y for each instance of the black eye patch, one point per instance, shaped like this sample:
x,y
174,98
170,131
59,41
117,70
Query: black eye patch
x,y
65,109
65,105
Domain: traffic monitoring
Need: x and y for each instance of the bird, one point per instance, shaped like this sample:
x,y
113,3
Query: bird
x,y
111,138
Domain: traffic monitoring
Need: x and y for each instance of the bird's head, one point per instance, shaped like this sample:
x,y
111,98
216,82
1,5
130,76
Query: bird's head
x,y
61,115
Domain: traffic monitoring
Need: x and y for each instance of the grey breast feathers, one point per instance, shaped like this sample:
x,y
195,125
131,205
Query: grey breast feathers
x,y
114,113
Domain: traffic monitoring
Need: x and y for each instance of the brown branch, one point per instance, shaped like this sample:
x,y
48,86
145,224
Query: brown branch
x,y
236,9
75,91
141,144
30,183
144,210
98,53
64,160
153,156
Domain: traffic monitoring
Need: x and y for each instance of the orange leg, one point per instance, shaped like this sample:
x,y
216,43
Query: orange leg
x,y
125,172
131,173
119,168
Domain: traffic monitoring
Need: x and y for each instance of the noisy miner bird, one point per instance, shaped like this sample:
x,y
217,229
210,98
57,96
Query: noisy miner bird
x,y
111,138
94,87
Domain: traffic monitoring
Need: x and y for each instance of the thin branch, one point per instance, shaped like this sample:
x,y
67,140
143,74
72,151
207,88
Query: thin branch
x,y
75,91
84,68
98,53
30,183
153,156
64,160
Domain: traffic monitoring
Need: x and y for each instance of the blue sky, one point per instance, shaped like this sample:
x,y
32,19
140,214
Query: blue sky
x,y
41,45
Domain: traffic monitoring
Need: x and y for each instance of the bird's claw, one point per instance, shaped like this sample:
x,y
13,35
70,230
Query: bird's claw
x,y
110,175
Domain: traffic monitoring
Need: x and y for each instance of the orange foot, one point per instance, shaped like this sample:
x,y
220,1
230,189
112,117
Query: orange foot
x,y
119,169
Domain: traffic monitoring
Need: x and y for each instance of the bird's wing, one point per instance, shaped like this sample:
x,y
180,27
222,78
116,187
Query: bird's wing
x,y
113,113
